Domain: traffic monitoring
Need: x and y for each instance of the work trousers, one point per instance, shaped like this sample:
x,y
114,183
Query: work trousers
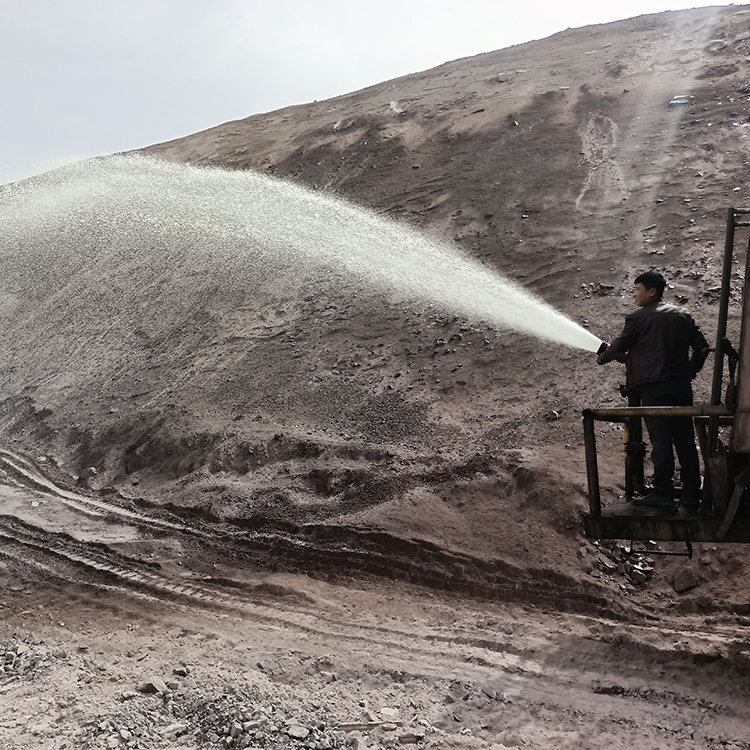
x,y
666,432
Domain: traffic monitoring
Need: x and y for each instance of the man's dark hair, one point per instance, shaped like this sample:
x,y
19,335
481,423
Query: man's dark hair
x,y
652,280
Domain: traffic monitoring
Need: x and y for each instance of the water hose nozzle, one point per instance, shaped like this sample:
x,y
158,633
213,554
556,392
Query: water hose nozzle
x,y
603,348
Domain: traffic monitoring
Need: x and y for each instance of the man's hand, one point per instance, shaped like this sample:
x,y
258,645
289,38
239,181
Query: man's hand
x,y
622,358
602,356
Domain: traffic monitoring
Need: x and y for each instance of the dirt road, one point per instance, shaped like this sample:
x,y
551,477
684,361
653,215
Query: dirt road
x,y
119,634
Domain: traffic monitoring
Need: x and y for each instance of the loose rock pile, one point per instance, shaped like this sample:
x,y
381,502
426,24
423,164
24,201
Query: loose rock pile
x,y
24,659
613,559
167,711
180,712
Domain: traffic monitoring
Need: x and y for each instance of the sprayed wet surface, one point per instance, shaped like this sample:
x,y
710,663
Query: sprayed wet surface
x,y
238,227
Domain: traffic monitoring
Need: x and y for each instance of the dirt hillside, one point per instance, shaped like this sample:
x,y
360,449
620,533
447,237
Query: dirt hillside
x,y
335,432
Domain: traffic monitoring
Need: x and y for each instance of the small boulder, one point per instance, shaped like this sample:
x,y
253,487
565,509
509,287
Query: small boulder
x,y
152,685
173,731
638,577
298,732
704,601
410,738
688,606
685,578
356,741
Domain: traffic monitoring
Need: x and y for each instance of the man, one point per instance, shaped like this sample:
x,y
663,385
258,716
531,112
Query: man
x,y
657,340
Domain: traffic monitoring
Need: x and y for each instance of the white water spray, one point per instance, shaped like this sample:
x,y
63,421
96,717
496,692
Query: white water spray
x,y
136,203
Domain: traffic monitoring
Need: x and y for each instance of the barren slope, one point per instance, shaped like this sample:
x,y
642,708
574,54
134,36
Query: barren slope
x,y
315,409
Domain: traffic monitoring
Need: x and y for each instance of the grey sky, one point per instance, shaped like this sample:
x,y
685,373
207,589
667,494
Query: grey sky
x,y
88,77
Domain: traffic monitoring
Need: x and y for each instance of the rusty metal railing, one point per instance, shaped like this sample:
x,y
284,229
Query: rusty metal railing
x,y
625,414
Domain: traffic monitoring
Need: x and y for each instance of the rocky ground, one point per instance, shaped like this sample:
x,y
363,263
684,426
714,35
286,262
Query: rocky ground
x,y
349,519
309,663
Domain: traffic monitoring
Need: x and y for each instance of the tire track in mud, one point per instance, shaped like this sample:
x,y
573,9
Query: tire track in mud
x,y
115,573
108,566
49,553
529,671
360,552
27,475
338,550
217,592
329,549
526,673
96,558
307,548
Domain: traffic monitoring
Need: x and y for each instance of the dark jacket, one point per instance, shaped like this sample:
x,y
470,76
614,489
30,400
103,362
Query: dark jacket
x,y
658,339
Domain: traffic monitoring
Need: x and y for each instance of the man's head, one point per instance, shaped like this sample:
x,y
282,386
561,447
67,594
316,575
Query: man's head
x,y
649,287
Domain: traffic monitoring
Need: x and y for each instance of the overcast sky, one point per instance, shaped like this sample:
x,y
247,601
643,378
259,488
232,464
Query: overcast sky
x,y
87,77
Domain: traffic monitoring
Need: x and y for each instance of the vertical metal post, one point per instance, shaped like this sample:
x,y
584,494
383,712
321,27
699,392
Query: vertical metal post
x,y
637,451
629,491
721,331
592,467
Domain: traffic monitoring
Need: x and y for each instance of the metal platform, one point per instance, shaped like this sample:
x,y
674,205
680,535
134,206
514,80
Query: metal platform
x,y
628,521
726,462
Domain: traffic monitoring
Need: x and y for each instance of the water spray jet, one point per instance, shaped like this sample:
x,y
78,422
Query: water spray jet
x,y
253,225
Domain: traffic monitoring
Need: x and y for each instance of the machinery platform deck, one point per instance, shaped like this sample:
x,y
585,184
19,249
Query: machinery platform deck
x,y
628,521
